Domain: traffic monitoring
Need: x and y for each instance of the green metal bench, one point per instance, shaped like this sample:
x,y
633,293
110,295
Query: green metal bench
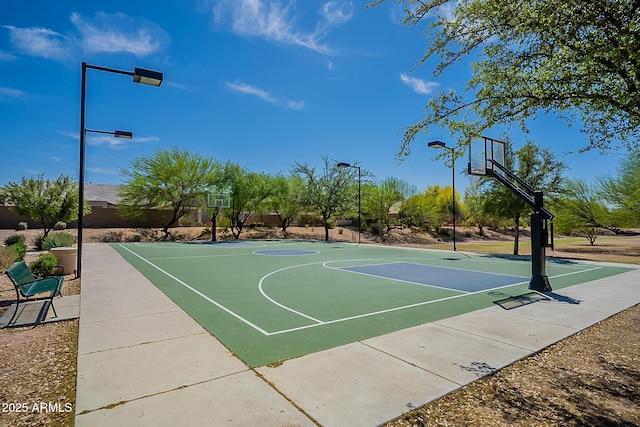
x,y
28,286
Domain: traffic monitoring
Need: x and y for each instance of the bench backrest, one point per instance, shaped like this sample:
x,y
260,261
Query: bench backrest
x,y
20,273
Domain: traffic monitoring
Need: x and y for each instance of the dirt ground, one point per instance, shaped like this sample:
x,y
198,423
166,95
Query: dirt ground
x,y
589,379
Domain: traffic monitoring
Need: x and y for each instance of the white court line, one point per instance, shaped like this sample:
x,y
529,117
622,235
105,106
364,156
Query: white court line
x,y
319,322
217,304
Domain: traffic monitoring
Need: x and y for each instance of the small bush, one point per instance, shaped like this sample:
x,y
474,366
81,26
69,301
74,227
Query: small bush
x,y
21,250
8,255
15,238
38,242
44,266
22,225
377,229
60,225
340,230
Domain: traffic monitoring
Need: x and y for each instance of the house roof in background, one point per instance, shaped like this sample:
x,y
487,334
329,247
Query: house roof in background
x,y
102,193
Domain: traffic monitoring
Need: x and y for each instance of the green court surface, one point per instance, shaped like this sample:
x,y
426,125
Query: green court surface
x,y
269,301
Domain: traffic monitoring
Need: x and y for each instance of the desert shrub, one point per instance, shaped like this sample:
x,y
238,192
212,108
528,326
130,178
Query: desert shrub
x,y
22,225
377,229
8,255
60,225
44,266
20,248
38,242
15,238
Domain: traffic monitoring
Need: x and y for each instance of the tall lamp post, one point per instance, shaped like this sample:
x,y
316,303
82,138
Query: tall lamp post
x,y
348,165
140,75
439,145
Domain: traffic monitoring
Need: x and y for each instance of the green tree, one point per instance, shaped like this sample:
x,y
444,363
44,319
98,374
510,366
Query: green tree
x,y
578,60
248,192
580,209
329,192
286,199
379,198
169,179
623,189
45,201
428,209
476,203
537,167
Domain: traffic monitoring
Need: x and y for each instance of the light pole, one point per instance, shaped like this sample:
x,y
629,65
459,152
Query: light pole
x,y
348,165
140,75
438,145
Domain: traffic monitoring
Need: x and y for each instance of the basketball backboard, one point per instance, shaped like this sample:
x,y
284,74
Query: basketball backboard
x,y
218,201
484,153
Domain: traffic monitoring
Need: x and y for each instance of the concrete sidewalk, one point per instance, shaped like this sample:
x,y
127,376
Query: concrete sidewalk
x,y
143,361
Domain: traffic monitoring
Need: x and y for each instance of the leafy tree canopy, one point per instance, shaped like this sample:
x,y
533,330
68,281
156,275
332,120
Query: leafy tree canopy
x,y
623,189
328,192
579,60
174,179
43,200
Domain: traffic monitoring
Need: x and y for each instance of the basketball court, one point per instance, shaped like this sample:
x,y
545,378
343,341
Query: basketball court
x,y
269,301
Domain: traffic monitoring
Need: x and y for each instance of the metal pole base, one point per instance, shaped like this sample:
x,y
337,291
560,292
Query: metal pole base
x,y
540,284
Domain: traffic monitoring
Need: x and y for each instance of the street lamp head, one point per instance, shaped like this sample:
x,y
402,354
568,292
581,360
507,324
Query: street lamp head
x,y
123,134
436,144
343,165
147,77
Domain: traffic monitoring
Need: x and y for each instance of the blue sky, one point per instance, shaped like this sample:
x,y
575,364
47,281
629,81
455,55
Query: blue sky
x,y
261,83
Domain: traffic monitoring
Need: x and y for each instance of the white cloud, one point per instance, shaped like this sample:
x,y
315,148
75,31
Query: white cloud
x,y
103,33
119,33
276,21
247,89
41,42
251,90
9,92
295,105
420,86
335,13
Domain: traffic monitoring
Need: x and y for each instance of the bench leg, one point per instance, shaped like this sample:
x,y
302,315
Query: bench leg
x,y
16,310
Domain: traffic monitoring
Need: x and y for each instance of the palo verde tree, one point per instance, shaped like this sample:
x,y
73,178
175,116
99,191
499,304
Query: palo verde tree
x,y
247,190
329,192
622,190
578,60
46,201
380,197
170,179
286,199
580,209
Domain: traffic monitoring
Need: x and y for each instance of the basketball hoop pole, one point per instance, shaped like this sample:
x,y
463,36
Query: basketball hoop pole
x,y
491,166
